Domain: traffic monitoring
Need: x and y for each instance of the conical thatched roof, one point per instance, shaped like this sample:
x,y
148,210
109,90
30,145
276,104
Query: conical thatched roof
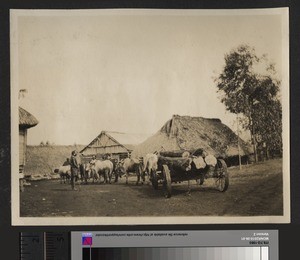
x,y
26,120
190,133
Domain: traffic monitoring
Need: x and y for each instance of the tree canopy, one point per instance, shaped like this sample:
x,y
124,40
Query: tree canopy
x,y
248,87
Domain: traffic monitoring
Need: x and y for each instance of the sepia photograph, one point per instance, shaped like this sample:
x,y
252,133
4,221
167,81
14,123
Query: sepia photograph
x,y
149,116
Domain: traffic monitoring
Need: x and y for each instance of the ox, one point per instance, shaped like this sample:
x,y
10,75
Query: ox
x,y
104,168
150,166
81,167
86,172
64,173
119,170
115,164
131,165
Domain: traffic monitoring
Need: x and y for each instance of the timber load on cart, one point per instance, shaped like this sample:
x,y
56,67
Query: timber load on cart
x,y
178,166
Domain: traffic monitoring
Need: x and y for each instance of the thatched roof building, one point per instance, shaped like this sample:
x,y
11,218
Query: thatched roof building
x,y
26,120
191,133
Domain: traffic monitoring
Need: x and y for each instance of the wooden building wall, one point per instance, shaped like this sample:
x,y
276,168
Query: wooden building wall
x,y
22,148
105,145
117,156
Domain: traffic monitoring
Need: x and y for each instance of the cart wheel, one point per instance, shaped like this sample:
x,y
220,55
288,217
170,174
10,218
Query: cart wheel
x,y
222,181
201,180
167,181
154,179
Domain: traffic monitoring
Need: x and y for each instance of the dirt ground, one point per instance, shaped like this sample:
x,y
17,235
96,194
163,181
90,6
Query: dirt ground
x,y
256,190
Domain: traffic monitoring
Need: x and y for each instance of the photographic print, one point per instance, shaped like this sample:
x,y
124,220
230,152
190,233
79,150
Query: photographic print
x,y
139,116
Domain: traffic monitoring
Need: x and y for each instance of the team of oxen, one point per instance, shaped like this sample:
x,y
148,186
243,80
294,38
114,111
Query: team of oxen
x,y
106,169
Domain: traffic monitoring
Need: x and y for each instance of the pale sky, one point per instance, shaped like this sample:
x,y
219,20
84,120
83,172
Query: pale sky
x,y
129,71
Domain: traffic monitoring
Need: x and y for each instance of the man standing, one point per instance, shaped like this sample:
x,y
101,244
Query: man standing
x,y
74,169
93,161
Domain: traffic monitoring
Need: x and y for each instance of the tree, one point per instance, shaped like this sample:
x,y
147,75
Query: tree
x,y
249,87
268,126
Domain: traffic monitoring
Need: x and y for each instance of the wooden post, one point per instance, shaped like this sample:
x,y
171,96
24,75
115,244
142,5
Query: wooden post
x,y
238,136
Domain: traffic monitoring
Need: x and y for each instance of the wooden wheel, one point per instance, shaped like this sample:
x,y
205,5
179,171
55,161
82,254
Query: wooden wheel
x,y
201,180
154,179
167,186
222,178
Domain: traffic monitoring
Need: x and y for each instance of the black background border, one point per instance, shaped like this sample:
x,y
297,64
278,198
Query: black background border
x,y
9,235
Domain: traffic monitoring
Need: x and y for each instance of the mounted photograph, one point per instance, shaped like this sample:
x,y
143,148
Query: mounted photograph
x,y
149,116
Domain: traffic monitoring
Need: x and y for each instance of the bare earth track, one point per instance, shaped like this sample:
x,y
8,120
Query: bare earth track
x,y
256,190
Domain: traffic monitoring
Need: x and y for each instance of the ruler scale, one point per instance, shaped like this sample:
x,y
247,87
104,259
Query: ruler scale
x,y
57,246
44,246
31,246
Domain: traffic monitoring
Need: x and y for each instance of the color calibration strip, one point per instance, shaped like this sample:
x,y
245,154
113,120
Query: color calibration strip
x,y
203,253
175,245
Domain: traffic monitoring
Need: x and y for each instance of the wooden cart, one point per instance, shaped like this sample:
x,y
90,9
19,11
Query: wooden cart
x,y
174,169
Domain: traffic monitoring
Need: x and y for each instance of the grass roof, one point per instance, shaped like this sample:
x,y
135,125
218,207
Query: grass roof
x,y
26,120
189,133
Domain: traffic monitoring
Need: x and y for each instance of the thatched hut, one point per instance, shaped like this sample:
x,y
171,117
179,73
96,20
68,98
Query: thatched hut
x,y
190,133
26,121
